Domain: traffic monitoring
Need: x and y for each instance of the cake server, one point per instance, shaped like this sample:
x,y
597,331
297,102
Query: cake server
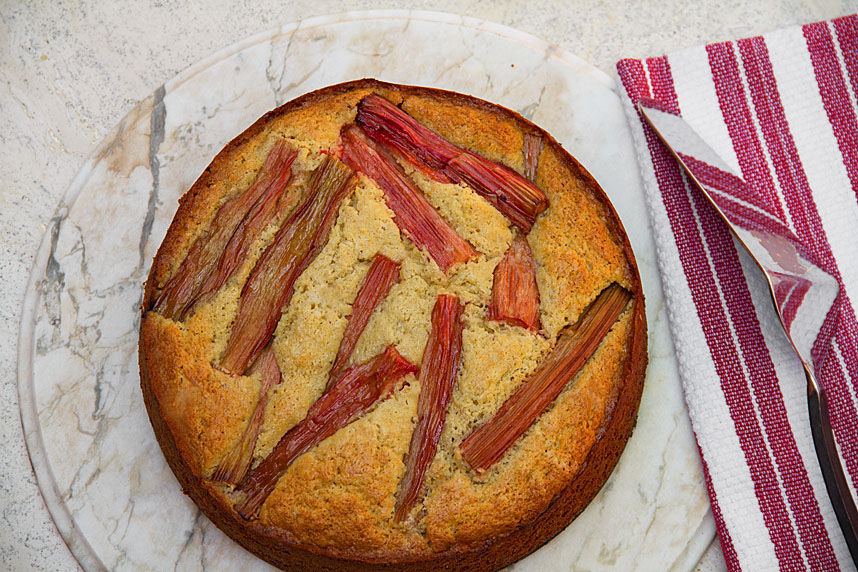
x,y
806,297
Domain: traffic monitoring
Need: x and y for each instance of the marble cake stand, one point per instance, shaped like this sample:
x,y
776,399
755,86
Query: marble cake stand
x,y
108,488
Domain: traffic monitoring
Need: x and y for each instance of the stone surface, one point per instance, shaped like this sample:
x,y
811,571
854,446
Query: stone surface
x,y
70,73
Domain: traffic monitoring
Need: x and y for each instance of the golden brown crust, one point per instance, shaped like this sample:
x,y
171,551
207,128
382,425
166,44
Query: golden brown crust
x,y
447,542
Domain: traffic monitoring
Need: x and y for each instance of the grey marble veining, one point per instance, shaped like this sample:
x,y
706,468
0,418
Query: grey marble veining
x,y
70,70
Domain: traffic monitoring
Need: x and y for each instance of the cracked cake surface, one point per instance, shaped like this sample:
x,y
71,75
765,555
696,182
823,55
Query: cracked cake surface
x,y
333,506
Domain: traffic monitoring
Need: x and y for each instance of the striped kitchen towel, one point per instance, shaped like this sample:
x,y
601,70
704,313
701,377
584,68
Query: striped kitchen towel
x,y
781,110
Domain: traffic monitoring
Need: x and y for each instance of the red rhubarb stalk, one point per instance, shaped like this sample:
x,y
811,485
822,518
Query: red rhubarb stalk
x,y
423,148
267,209
234,465
515,294
437,379
382,274
514,196
413,214
354,393
270,285
185,287
489,442
533,145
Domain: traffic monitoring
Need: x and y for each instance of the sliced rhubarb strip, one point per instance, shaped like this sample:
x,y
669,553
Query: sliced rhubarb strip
x,y
234,465
413,214
422,147
270,285
515,294
488,443
437,379
382,274
514,196
354,393
533,145
183,289
275,201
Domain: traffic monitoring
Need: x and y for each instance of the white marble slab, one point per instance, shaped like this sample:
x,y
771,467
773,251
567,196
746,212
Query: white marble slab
x,y
100,470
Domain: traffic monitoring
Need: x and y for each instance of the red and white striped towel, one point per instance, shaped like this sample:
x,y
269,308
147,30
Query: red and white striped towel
x,y
781,110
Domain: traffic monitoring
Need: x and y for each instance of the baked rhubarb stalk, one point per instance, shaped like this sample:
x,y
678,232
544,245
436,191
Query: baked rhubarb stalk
x,y
234,465
515,294
383,273
248,231
215,254
437,379
514,196
576,344
425,149
532,149
412,213
271,283
357,390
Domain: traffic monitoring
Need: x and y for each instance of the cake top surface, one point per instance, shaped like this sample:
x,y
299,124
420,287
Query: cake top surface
x,y
340,496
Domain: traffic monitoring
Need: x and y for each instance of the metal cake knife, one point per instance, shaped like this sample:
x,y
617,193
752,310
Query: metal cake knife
x,y
805,296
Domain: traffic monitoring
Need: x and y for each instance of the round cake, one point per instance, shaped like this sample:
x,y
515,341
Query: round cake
x,y
393,327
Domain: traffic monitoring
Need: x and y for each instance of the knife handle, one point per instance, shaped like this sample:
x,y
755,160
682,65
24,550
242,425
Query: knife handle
x,y
829,463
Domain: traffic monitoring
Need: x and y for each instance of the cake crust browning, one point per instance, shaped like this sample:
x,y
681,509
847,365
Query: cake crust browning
x,y
451,538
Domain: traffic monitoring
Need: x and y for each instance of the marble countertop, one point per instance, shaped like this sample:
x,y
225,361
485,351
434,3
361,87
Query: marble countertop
x,y
71,71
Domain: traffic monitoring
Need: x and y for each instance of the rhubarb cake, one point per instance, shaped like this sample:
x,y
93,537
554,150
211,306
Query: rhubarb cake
x,y
393,327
